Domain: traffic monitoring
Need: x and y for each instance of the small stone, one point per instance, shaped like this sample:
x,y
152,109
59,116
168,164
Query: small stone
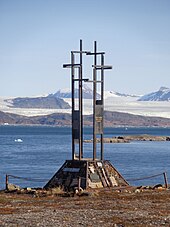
x,y
29,189
137,191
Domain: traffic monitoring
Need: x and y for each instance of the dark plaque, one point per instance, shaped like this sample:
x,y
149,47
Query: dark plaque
x,y
76,124
99,117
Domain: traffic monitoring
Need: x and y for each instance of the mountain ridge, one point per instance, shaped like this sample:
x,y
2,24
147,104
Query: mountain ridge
x,y
38,102
113,101
163,94
66,93
111,119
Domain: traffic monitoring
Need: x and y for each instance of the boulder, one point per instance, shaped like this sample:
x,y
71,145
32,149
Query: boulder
x,y
12,187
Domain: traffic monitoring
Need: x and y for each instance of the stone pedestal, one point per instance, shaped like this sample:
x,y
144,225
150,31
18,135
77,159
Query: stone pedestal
x,y
86,174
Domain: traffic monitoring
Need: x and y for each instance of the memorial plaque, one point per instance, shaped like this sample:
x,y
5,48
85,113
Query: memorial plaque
x,y
76,124
99,117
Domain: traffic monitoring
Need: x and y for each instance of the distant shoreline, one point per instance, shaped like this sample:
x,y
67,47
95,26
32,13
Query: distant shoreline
x,y
85,126
130,138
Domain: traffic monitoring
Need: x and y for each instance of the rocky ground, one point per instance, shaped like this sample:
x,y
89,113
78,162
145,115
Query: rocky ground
x,y
106,207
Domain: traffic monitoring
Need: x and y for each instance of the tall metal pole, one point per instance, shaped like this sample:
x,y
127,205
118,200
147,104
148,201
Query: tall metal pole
x,y
94,101
102,100
81,105
73,104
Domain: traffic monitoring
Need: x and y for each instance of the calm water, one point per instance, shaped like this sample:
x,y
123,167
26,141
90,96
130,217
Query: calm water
x,y
44,149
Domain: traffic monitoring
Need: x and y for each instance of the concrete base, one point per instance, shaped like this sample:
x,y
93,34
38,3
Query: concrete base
x,y
86,174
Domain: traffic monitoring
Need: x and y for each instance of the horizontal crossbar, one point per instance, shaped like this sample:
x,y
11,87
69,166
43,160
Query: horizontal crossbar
x,y
71,65
102,66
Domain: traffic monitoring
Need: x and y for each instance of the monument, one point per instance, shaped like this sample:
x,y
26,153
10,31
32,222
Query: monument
x,y
91,172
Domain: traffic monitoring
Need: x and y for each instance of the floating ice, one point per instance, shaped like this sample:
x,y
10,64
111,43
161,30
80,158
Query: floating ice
x,y
18,140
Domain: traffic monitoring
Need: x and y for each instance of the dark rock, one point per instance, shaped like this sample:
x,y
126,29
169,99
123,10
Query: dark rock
x,y
158,186
120,137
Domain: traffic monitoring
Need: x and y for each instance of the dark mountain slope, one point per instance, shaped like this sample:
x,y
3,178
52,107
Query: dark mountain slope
x,y
111,119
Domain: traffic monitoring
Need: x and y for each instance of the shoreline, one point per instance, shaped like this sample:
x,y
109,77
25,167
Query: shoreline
x,y
126,127
131,138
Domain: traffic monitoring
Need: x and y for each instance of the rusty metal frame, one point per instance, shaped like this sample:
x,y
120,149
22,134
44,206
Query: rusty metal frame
x,y
97,104
80,80
95,80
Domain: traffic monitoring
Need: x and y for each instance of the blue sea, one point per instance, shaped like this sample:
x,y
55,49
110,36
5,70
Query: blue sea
x,y
35,153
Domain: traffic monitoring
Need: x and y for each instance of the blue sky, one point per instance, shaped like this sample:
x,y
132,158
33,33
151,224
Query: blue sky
x,y
36,38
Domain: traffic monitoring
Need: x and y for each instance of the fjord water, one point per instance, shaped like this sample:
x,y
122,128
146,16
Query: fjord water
x,y
37,152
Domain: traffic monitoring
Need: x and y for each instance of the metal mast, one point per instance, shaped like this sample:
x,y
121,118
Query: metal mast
x,y
98,109
77,111
98,105
90,172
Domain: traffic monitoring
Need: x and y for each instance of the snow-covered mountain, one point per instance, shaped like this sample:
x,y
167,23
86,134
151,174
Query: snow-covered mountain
x,y
66,93
163,94
114,101
62,93
88,94
37,102
112,94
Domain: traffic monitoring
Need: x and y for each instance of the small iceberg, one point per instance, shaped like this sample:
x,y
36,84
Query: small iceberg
x,y
18,140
